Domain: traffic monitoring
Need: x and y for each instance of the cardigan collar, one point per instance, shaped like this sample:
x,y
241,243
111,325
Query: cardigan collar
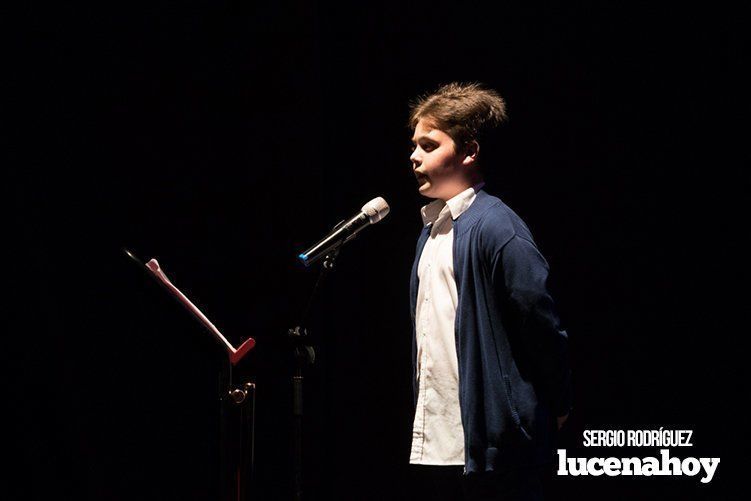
x,y
482,202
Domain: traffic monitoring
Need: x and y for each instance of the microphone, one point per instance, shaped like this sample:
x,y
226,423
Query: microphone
x,y
371,213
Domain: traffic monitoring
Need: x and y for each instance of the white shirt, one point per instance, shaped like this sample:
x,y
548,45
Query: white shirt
x,y
437,432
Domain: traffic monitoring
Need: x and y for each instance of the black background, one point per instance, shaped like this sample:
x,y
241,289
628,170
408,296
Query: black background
x,y
225,137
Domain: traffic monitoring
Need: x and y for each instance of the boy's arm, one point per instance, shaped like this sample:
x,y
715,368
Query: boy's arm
x,y
520,274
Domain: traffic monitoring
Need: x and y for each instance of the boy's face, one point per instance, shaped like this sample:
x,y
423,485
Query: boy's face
x,y
439,169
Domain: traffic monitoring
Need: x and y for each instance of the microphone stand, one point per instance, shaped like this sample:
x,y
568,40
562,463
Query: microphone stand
x,y
304,355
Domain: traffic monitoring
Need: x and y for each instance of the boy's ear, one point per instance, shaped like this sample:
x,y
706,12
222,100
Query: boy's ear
x,y
471,151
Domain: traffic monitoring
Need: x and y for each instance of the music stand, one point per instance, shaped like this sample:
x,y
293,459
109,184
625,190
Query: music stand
x,y
237,401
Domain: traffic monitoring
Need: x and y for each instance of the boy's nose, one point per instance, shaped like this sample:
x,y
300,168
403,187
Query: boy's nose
x,y
415,159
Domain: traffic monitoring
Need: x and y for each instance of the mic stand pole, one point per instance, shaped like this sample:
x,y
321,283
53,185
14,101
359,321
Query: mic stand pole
x,y
304,355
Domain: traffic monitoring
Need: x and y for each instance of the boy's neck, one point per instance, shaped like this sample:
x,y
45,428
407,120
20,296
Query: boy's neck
x,y
469,183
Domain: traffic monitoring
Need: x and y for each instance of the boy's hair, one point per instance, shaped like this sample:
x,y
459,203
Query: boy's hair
x,y
464,111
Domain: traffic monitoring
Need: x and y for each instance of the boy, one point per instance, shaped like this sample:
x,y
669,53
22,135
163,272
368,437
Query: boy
x,y
490,366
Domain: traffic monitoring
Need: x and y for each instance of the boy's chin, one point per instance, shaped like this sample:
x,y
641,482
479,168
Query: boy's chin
x,y
426,190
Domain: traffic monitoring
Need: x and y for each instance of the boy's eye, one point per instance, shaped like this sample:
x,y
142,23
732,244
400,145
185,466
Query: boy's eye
x,y
425,147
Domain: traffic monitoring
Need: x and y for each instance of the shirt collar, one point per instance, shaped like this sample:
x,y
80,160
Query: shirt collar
x,y
455,205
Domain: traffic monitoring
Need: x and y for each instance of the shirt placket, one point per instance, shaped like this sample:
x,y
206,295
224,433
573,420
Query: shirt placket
x,y
425,343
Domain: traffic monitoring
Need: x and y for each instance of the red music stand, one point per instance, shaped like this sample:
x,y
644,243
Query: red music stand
x,y
237,400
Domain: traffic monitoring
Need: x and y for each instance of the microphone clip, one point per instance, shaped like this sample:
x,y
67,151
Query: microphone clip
x,y
330,259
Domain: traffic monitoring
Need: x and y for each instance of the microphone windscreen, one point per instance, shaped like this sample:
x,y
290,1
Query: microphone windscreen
x,y
376,209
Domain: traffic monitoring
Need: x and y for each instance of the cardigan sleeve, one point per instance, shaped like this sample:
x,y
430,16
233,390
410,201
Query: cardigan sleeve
x,y
522,272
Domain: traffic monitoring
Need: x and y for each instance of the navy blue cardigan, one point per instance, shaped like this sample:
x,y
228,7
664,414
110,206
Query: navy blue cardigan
x,y
514,376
